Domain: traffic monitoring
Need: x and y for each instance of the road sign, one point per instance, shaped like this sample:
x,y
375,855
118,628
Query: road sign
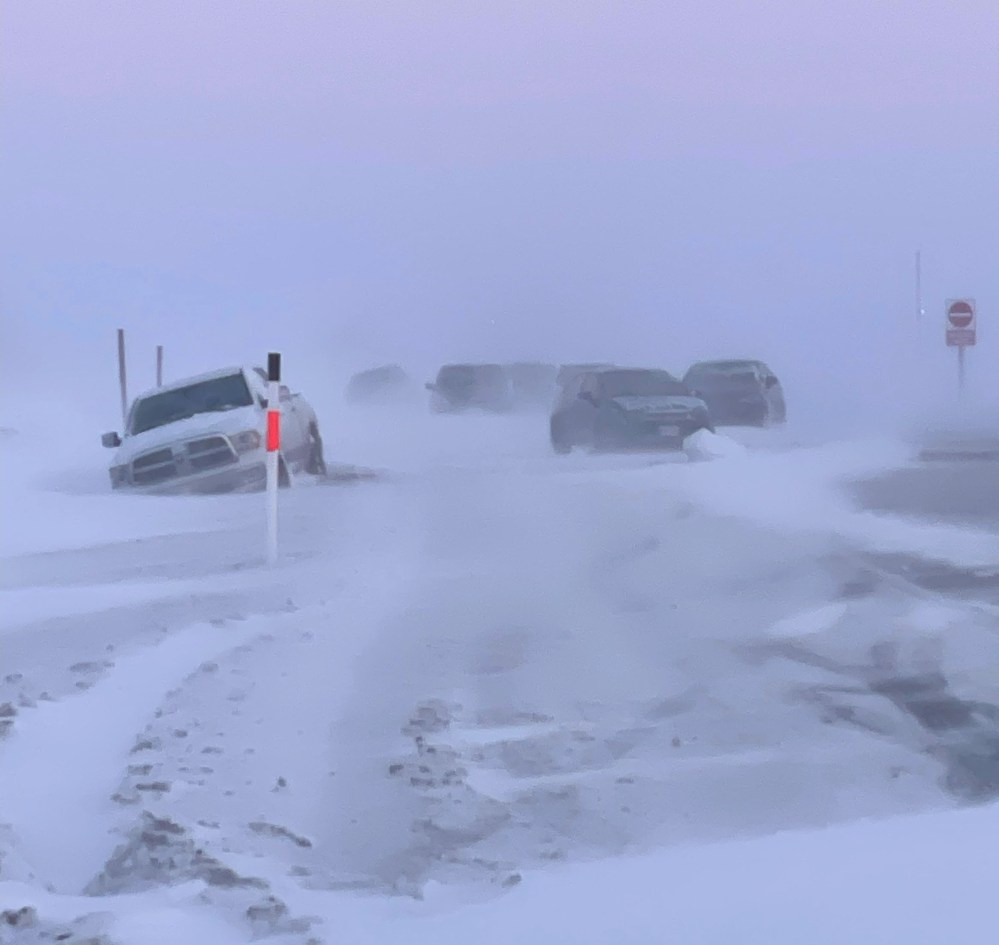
x,y
961,325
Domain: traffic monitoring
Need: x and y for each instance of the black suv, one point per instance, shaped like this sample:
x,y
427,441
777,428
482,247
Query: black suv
x,y
738,393
467,386
626,409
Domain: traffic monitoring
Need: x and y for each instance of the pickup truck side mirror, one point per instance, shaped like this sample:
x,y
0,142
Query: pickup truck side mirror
x,y
110,441
430,385
771,381
284,392
588,397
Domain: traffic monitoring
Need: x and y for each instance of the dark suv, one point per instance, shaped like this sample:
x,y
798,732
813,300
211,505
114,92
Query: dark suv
x,y
467,386
738,393
626,409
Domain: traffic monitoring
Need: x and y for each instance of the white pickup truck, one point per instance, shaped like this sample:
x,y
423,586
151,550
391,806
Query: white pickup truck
x,y
208,434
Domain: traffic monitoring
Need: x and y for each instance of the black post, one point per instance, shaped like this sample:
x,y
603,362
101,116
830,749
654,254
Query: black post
x,y
121,374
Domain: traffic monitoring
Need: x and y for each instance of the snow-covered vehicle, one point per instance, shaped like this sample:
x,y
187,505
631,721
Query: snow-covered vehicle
x,y
626,409
533,383
461,387
387,384
208,434
738,393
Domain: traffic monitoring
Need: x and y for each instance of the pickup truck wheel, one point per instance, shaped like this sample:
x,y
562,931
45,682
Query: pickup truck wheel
x,y
316,464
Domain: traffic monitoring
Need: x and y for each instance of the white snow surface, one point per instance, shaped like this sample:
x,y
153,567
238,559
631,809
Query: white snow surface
x,y
493,695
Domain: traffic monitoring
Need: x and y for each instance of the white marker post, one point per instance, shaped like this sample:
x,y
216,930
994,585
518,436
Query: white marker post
x,y
273,451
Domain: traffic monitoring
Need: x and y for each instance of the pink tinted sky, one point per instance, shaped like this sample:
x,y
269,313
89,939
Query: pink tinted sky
x,y
508,178
861,73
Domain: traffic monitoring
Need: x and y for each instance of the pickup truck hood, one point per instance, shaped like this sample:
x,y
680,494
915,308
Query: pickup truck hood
x,y
201,424
672,403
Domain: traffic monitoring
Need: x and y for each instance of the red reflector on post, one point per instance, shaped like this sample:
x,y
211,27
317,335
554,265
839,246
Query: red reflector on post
x,y
273,431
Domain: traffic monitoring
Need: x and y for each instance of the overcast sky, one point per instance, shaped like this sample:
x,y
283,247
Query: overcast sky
x,y
427,181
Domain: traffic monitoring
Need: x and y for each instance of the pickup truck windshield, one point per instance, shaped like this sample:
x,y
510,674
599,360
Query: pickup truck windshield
x,y
218,394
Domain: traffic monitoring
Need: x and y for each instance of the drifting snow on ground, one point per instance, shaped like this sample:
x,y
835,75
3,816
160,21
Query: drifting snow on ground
x,y
493,695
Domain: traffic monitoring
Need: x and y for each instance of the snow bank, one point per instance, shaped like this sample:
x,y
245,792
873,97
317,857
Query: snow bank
x,y
707,445
919,880
799,492
925,879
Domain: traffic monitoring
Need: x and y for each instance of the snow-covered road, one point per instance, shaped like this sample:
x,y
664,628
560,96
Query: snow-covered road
x,y
489,662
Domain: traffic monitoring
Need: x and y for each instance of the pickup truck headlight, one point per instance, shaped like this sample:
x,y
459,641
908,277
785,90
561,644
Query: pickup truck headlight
x,y
246,441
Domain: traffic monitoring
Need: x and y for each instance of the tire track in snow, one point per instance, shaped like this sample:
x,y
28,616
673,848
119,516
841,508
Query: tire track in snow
x,y
60,767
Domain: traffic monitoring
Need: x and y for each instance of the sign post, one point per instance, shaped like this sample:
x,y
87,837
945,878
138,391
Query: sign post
x,y
273,451
962,332
122,382
159,365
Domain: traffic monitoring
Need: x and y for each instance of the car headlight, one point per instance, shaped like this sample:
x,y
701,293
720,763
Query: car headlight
x,y
119,475
246,441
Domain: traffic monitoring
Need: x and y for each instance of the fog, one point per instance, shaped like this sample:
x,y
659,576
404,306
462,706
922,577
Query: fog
x,y
360,183
490,687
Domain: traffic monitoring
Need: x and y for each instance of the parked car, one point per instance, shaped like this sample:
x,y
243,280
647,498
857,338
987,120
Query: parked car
x,y
626,408
533,383
738,393
469,386
208,434
381,385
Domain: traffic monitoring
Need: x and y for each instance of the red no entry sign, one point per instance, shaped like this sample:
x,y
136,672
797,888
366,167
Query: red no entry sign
x,y
961,313
961,328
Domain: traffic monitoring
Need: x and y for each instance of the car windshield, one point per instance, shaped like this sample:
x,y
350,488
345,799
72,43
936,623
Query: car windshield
x,y
218,394
467,375
723,380
640,384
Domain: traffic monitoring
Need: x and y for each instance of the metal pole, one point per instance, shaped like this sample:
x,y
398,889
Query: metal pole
x,y
121,375
919,285
960,371
273,451
159,365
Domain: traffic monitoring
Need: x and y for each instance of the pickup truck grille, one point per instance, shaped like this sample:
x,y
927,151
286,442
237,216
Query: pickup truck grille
x,y
210,452
184,459
153,467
